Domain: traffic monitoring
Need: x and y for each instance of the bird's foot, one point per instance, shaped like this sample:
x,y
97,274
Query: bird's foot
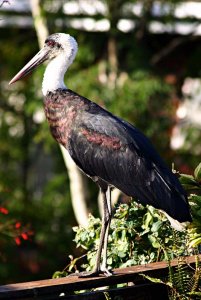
x,y
93,273
106,272
88,274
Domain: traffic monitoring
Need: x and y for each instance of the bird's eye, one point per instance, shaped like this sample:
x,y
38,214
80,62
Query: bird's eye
x,y
50,43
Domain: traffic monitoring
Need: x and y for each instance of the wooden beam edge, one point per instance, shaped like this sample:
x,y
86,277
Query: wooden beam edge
x,y
73,283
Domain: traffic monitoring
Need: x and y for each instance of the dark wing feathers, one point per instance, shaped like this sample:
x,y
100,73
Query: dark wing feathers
x,y
107,147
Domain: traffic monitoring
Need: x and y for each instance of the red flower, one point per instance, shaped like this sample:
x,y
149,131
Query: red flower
x,y
24,236
3,210
17,240
17,225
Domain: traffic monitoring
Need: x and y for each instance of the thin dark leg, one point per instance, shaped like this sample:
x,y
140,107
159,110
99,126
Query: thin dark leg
x,y
104,232
109,208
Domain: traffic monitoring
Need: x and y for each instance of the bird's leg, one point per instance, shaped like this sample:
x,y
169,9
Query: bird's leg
x,y
109,207
103,241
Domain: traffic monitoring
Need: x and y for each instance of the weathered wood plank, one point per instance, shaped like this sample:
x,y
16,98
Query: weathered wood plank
x,y
48,287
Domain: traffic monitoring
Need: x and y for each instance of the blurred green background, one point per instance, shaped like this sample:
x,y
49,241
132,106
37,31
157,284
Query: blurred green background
x,y
139,59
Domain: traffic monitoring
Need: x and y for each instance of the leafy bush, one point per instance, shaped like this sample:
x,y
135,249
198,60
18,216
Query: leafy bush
x,y
184,281
140,235
192,183
137,235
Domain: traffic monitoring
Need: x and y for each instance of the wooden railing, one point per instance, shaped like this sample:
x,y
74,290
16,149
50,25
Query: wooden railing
x,y
99,287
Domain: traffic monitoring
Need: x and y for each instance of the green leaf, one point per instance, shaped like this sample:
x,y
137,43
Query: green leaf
x,y
156,226
152,279
195,198
146,220
154,241
195,293
121,254
59,274
188,181
195,242
109,260
197,172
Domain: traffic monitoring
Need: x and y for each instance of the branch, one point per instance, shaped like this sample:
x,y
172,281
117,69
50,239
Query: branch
x,y
39,22
78,186
172,46
78,189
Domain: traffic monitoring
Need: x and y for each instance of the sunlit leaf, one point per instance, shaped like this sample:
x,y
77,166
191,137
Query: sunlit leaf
x,y
197,172
188,181
195,242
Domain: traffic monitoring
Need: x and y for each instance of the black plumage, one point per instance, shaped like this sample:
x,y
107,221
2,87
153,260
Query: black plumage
x,y
110,149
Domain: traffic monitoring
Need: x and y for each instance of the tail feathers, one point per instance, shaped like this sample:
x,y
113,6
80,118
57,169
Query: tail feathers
x,y
172,200
180,226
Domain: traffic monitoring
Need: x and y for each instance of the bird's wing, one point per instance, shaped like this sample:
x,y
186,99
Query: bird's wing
x,y
107,147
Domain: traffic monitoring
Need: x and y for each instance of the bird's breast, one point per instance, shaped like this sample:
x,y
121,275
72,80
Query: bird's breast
x,y
60,119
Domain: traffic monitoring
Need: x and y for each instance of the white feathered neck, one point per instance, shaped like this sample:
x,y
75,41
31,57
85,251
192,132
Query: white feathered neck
x,y
53,78
54,74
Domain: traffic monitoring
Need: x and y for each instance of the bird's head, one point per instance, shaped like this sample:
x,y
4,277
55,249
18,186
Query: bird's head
x,y
56,45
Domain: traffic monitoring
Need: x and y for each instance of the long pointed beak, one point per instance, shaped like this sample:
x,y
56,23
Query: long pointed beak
x,y
38,59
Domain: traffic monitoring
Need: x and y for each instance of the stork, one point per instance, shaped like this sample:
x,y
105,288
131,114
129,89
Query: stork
x,y
111,151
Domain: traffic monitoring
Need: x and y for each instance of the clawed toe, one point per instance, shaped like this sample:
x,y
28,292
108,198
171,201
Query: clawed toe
x,y
86,274
93,273
73,274
106,272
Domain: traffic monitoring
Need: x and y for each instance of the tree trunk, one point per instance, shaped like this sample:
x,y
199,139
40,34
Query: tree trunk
x,y
112,62
78,184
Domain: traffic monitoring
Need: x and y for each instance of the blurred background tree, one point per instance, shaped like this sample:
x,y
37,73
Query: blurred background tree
x,y
139,59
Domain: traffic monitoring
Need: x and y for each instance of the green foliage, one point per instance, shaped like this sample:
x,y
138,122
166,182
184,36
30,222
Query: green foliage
x,y
197,173
184,281
138,235
193,184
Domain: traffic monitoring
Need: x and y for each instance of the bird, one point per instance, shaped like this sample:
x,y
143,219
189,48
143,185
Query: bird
x,y
108,149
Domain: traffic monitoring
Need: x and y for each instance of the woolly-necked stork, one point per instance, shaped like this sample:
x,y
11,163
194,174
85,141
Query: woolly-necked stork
x,y
106,148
